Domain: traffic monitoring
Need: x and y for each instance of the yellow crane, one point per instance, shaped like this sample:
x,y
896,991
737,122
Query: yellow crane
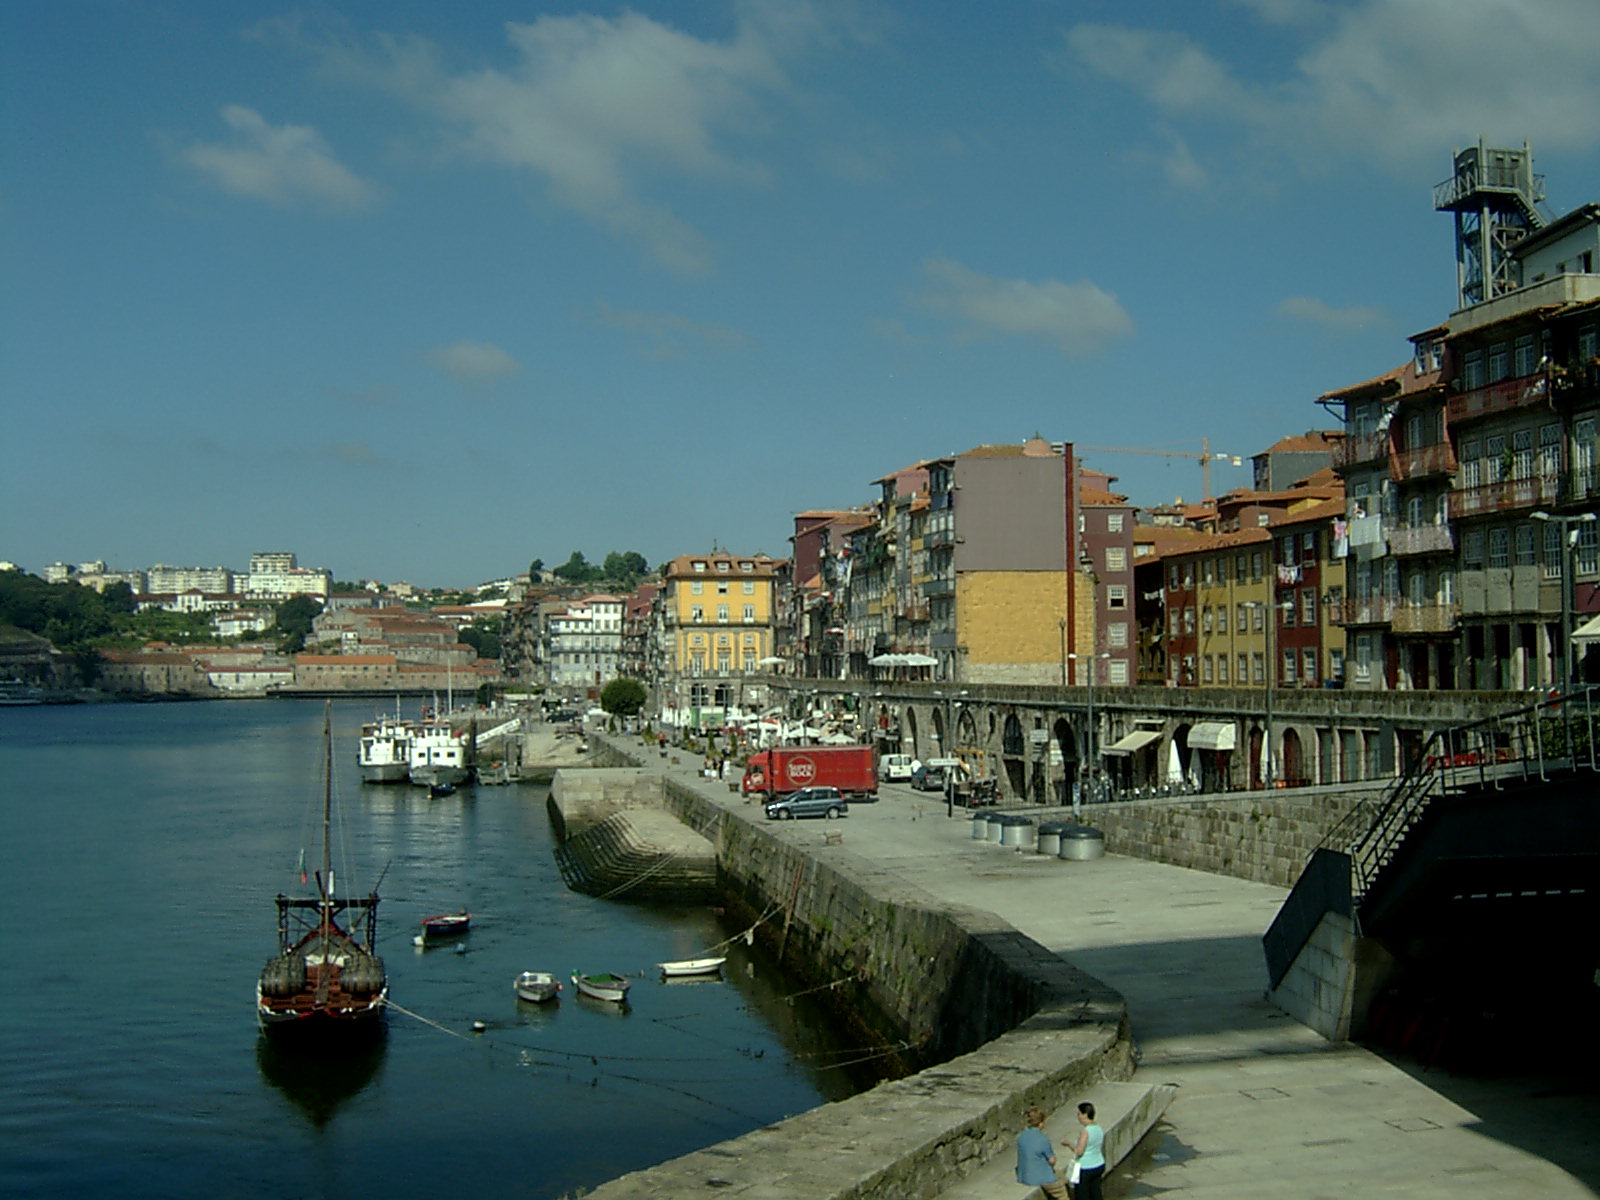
x,y
1204,454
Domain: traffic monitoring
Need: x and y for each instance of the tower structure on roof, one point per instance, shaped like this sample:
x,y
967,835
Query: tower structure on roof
x,y
1494,195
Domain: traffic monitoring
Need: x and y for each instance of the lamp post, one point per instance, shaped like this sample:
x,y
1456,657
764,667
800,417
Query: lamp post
x,y
951,703
1569,551
1091,749
1271,611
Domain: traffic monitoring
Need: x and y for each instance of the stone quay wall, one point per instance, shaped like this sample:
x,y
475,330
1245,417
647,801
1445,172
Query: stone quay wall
x,y
1003,1023
1266,837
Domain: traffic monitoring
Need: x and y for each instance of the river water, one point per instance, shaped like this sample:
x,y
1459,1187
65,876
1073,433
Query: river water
x,y
143,846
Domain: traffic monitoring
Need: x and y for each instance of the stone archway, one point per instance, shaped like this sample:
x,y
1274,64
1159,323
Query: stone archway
x,y
1066,742
1293,773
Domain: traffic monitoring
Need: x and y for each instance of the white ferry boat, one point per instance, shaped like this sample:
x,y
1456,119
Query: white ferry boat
x,y
439,755
384,751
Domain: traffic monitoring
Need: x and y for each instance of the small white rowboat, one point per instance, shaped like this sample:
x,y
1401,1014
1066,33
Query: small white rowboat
x,y
537,986
692,966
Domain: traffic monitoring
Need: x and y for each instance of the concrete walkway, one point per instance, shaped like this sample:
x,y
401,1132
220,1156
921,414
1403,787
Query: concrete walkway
x,y
1265,1107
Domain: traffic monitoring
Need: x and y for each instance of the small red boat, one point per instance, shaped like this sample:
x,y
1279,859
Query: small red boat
x,y
446,924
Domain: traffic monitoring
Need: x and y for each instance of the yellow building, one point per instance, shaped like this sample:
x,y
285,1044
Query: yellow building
x,y
717,616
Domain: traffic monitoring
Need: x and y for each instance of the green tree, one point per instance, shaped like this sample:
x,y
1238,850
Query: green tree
x,y
293,622
118,597
484,637
576,569
534,568
623,697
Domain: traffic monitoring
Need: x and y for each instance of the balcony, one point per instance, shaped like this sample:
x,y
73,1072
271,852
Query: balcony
x,y
1504,396
1361,448
1437,459
939,587
1508,495
915,612
1425,618
1374,610
1421,539
938,539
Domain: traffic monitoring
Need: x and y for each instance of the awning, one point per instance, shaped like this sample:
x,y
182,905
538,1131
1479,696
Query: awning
x,y
1589,631
1128,743
1213,735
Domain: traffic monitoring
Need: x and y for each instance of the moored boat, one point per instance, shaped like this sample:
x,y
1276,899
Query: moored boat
x,y
692,966
602,985
536,986
384,751
326,973
439,755
446,925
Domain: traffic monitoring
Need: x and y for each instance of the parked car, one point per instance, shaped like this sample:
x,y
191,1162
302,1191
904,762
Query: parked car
x,y
895,767
931,776
809,802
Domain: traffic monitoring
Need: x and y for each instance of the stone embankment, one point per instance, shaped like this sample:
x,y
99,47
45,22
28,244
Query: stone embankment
x,y
617,845
995,1022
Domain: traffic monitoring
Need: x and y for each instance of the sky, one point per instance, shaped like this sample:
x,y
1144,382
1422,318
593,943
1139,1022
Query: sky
x,y
423,291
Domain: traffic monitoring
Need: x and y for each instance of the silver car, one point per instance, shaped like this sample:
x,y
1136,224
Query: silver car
x,y
809,802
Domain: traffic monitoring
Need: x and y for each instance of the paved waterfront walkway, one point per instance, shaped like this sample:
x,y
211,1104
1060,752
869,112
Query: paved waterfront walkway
x,y
1265,1107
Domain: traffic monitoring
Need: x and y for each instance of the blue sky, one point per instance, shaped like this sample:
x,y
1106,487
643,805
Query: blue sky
x,y
422,291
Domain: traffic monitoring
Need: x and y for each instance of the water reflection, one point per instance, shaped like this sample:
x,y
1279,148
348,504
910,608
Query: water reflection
x,y
319,1076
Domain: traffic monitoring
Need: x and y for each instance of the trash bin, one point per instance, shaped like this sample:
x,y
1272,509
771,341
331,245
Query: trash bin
x,y
1082,842
995,822
1050,837
1016,830
980,826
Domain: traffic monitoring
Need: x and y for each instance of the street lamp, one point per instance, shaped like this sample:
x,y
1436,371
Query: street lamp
x,y
1090,748
951,703
1569,549
1272,673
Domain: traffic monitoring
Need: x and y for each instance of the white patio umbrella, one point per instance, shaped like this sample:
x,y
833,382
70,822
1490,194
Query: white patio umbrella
x,y
1174,763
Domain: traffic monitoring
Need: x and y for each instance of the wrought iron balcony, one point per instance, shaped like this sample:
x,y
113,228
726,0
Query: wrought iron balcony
x,y
1503,396
1373,610
1421,539
1425,618
939,587
1361,448
1508,495
1423,461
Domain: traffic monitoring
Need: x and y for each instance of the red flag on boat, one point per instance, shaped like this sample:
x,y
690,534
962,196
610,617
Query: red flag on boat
x,y
302,867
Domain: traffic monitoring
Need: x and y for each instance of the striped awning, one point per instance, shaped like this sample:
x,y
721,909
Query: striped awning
x,y
1213,735
1130,742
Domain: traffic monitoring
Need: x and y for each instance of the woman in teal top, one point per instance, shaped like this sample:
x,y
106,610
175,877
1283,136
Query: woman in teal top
x,y
1090,1153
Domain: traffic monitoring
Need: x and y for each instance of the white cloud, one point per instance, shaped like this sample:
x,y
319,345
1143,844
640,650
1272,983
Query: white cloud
x,y
601,108
668,335
284,164
1320,312
1079,318
474,362
1401,79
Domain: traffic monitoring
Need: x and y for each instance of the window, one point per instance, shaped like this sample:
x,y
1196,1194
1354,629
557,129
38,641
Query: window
x,y
1241,568
1472,370
1116,596
1288,659
1172,576
1116,671
1588,342
1258,668
1588,548
722,587
696,586
1549,451
1525,551
1209,571
1114,522
723,566
1494,458
699,566
1286,550
697,613
1258,619
1243,615
1335,664
1188,574
1524,362
1117,634
1207,670
1188,620
1308,665
1499,362
1222,668
1244,668
1116,558
722,612
1256,562
1552,550
1497,547
1522,454
749,613
749,587
1308,606
1205,620
1172,622
1222,618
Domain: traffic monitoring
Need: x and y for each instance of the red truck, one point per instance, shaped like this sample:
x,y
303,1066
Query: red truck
x,y
784,769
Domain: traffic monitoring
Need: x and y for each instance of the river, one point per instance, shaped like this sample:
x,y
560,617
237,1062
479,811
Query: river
x,y
144,844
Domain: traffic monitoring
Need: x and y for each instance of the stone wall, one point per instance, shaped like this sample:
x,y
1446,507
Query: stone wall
x,y
1266,837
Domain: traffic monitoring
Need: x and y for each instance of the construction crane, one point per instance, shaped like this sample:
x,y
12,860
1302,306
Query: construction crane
x,y
1205,456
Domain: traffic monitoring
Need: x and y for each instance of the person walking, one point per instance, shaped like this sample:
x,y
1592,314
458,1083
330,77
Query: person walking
x,y
1036,1166
1089,1150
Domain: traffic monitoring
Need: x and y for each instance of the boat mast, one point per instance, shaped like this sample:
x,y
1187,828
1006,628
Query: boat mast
x,y
325,881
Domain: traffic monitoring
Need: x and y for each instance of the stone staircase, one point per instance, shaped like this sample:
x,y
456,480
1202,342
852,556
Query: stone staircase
x,y
640,855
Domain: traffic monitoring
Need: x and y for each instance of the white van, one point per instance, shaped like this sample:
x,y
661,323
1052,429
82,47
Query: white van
x,y
895,767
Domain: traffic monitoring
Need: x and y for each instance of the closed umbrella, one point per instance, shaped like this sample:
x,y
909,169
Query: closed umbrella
x,y
1174,763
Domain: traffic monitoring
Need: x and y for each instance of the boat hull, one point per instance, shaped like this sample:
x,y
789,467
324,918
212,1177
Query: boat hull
x,y
385,772
691,966
536,987
446,926
612,988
